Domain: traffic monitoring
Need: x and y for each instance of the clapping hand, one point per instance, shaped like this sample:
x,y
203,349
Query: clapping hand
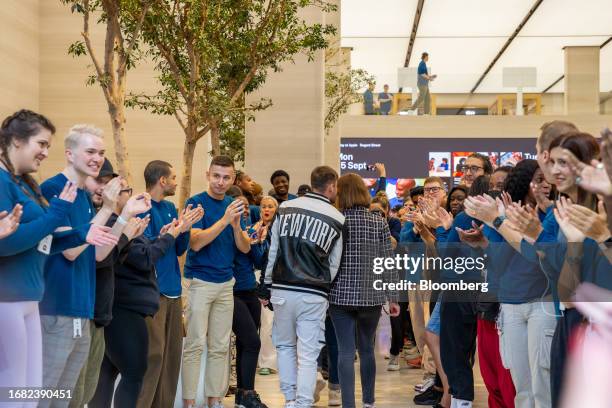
x,y
173,228
9,222
137,205
110,193
483,207
590,223
69,192
136,227
99,235
473,236
189,216
562,215
524,220
233,212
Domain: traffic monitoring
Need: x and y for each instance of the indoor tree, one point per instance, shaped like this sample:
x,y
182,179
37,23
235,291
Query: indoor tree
x,y
123,20
210,53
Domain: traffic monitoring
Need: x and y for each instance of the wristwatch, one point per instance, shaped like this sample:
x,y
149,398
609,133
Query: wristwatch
x,y
498,221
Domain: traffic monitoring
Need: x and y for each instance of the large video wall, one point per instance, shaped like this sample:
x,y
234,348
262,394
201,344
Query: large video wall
x,y
409,160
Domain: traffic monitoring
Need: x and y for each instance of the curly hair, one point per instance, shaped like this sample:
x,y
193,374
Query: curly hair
x,y
517,183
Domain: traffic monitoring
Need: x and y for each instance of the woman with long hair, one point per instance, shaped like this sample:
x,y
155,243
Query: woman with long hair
x,y
25,138
355,304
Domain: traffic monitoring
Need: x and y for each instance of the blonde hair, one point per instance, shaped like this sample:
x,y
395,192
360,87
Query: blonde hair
x,y
271,199
77,132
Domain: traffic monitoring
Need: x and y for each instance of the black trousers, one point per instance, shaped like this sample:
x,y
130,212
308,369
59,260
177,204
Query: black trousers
x,y
399,325
246,323
558,351
127,345
458,344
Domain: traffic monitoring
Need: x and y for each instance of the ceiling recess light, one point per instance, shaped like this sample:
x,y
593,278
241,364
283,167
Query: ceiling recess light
x,y
469,112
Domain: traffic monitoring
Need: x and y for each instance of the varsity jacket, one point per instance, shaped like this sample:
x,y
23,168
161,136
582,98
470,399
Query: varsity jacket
x,y
306,246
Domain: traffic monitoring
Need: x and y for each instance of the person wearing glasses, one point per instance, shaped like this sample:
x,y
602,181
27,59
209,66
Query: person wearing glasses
x,y
476,165
105,278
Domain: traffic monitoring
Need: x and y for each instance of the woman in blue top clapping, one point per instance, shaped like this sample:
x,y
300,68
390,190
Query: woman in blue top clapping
x,y
25,138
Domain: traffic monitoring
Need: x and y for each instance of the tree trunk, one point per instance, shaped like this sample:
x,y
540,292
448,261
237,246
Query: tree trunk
x,y
215,139
117,114
188,153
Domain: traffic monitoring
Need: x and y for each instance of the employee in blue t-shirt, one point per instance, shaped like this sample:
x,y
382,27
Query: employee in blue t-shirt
x,y
166,327
385,100
70,277
423,79
214,242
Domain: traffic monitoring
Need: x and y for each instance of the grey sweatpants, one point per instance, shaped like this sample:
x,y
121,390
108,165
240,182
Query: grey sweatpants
x,y
298,333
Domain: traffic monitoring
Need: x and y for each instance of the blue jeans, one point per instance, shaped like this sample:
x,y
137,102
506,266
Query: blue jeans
x,y
362,321
330,352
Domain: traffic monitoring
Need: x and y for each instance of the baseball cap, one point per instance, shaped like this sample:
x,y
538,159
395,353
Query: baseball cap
x,y
107,169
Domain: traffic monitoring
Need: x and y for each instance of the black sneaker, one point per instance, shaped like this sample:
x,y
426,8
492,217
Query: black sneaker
x,y
237,398
429,397
250,399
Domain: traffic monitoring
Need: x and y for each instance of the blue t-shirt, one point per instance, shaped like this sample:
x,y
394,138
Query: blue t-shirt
x,y
167,267
214,262
70,286
420,71
385,107
21,263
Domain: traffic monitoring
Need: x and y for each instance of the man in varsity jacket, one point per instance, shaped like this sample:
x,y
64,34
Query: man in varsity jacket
x,y
303,260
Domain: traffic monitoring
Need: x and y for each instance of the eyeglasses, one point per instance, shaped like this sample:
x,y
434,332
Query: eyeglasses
x,y
433,190
471,169
126,190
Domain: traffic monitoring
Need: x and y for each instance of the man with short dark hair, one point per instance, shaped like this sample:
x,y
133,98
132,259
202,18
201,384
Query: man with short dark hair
x,y
166,327
280,182
214,242
303,260
423,79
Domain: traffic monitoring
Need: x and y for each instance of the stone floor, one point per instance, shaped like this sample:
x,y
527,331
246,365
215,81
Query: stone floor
x,y
393,389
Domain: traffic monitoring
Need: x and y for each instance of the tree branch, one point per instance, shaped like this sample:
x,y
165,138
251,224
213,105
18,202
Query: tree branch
x,y
92,54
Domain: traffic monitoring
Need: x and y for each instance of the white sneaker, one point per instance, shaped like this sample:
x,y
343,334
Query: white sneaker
x,y
425,385
217,404
334,398
393,363
290,404
318,388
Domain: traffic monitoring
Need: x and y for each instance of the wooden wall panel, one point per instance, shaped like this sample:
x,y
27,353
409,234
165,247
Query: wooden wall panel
x,y
19,51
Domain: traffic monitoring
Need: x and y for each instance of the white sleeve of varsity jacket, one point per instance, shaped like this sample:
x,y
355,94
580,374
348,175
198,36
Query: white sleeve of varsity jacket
x,y
335,257
272,252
